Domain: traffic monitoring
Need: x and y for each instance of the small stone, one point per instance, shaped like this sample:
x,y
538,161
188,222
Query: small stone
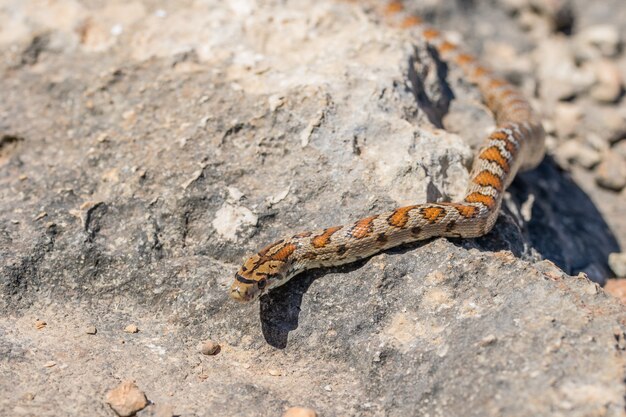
x,y
40,324
617,262
131,328
567,117
209,347
617,288
23,177
91,330
620,148
598,40
573,151
300,412
611,173
274,372
49,364
559,76
488,340
126,399
41,215
28,396
608,86
328,388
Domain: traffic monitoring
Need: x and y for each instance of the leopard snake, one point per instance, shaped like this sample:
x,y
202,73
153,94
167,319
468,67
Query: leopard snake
x,y
517,143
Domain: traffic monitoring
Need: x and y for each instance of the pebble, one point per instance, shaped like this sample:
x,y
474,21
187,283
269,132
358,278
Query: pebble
x,y
91,330
131,328
49,364
567,117
617,288
598,40
209,347
274,372
559,76
611,173
617,262
300,412
620,148
608,86
40,324
488,340
573,151
126,399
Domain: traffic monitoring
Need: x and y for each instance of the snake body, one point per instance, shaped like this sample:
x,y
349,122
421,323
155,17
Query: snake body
x,y
516,144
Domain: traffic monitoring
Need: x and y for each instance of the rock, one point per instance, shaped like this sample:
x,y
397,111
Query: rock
x,y
40,324
49,364
572,151
617,288
559,76
209,347
617,262
91,329
126,399
567,117
131,328
598,40
620,148
300,412
611,173
609,83
171,189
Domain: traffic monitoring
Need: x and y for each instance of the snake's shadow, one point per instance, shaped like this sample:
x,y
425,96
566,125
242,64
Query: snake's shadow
x,y
280,308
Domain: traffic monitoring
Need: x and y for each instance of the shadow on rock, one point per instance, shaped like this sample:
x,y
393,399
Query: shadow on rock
x,y
565,226
280,308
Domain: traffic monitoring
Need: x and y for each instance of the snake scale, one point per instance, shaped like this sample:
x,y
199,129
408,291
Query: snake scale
x,y
516,144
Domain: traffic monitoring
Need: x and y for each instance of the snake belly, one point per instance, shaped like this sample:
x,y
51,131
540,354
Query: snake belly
x,y
516,144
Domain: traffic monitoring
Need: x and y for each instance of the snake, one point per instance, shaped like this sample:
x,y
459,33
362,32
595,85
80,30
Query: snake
x,y
516,144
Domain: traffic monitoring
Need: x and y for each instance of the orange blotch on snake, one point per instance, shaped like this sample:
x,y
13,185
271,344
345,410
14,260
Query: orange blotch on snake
x,y
492,154
484,199
464,59
432,214
411,21
496,82
322,240
446,47
284,252
488,179
393,7
400,216
465,210
362,228
480,71
431,34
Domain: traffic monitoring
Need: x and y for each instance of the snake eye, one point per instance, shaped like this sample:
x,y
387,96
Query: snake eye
x,y
261,284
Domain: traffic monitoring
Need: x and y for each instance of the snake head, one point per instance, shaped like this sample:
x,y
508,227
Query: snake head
x,y
257,275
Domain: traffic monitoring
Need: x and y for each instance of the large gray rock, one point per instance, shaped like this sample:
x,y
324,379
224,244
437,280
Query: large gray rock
x,y
144,150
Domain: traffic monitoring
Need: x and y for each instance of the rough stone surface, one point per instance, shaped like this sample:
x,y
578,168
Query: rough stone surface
x,y
145,149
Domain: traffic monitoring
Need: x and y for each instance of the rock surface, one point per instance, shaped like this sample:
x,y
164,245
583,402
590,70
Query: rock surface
x,y
145,149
